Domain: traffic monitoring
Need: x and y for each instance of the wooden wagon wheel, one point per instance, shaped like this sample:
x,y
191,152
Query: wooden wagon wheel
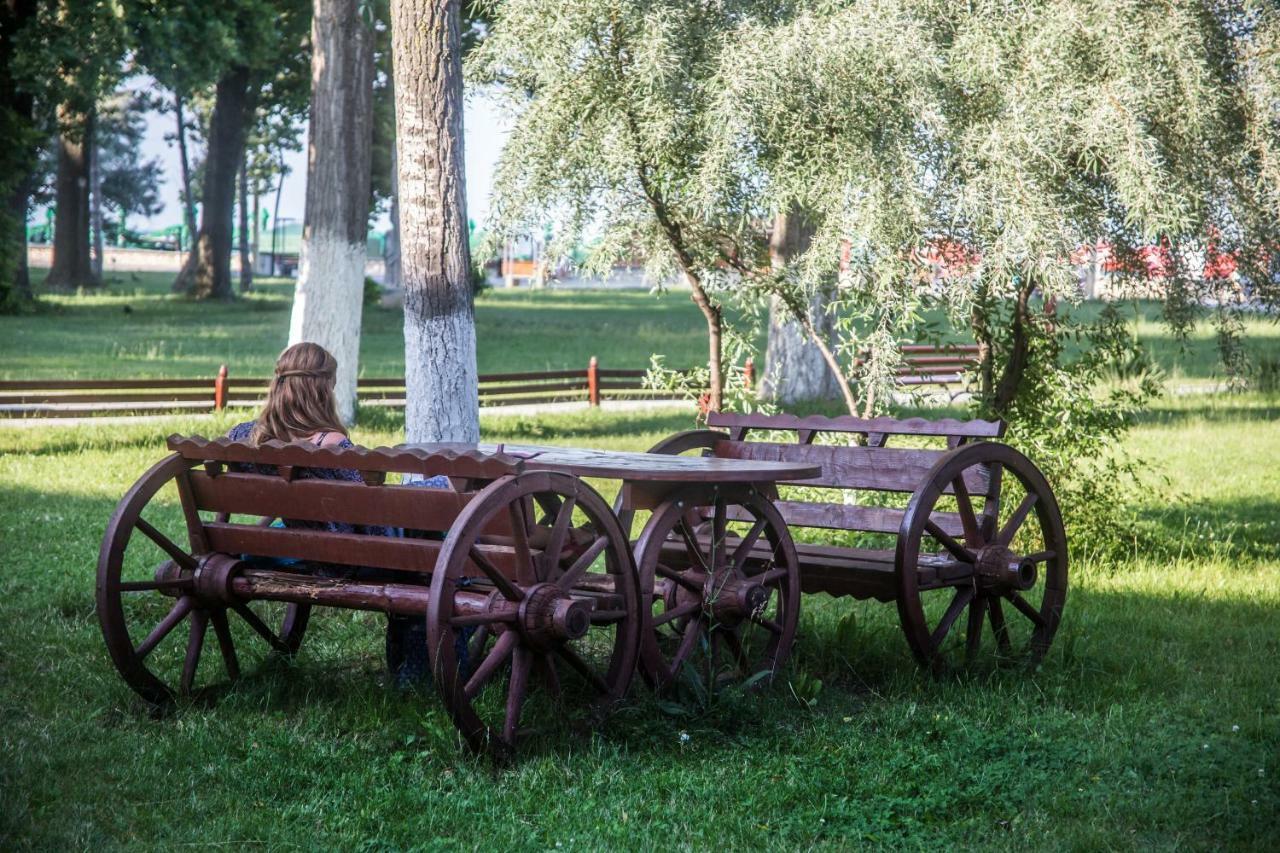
x,y
562,613
146,592
722,602
1007,570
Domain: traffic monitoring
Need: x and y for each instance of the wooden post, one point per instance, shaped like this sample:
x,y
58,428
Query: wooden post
x,y
220,389
593,382
749,372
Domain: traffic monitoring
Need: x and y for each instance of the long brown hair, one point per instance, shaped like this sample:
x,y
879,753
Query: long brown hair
x,y
300,402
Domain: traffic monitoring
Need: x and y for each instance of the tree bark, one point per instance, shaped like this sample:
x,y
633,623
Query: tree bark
x,y
207,272
439,324
17,116
795,368
95,210
71,266
188,203
329,298
246,263
391,276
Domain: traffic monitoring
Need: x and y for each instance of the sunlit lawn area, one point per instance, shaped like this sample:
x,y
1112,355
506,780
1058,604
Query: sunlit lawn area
x,y
136,328
1154,721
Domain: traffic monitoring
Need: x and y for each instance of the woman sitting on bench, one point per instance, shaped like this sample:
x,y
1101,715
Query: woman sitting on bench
x,y
301,407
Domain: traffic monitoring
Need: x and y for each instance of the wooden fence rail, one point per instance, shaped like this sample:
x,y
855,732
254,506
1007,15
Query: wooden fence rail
x,y
74,398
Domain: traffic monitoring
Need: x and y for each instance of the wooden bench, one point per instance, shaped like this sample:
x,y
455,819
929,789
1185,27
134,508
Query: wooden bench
x,y
934,364
974,530
518,571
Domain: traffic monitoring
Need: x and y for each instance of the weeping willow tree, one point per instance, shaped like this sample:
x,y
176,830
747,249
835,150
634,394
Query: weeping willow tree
x,y
610,100
960,153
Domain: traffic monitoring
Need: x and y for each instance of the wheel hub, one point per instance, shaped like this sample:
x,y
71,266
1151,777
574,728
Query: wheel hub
x,y
547,615
997,567
735,599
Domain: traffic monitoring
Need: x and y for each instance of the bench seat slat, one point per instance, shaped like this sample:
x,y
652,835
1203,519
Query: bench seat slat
x,y
847,423
890,469
348,549
328,500
834,516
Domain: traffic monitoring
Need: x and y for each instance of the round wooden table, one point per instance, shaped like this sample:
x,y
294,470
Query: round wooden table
x,y
717,566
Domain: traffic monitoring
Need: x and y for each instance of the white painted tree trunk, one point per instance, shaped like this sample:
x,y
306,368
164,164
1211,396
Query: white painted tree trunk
x,y
439,325
95,207
329,299
795,370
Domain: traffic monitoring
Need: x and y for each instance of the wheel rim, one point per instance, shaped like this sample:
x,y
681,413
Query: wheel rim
x,y
155,626
722,603
567,626
981,581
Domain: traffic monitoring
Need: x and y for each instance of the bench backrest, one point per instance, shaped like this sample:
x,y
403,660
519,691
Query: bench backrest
x,y
871,466
218,484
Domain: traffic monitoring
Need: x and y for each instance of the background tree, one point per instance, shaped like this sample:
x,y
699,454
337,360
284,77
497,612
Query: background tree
x,y
439,324
328,301
239,47
130,184
18,157
610,100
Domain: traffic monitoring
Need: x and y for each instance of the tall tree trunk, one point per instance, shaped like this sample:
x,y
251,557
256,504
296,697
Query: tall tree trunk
x,y
207,272
256,245
17,115
795,367
329,298
391,276
71,266
715,347
188,202
95,210
246,264
439,323
275,217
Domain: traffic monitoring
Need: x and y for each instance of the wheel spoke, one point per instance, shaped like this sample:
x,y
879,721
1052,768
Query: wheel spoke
x,y
958,603
526,569
497,656
964,505
734,642
486,618
222,629
977,614
768,624
166,544
719,524
1026,609
546,665
146,586
677,613
748,542
957,550
195,643
1040,556
509,590
678,577
559,529
243,611
692,631
1015,521
770,577
998,625
991,504
574,573
167,624
478,641
691,544
521,663
582,667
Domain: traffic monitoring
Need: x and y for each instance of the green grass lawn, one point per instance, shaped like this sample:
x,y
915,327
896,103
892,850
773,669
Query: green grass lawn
x,y
161,335
1153,722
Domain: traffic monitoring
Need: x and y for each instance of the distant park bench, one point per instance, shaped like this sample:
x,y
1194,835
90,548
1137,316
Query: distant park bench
x,y
72,398
929,364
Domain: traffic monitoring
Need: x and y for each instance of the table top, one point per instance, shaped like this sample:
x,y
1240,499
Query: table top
x,y
636,467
